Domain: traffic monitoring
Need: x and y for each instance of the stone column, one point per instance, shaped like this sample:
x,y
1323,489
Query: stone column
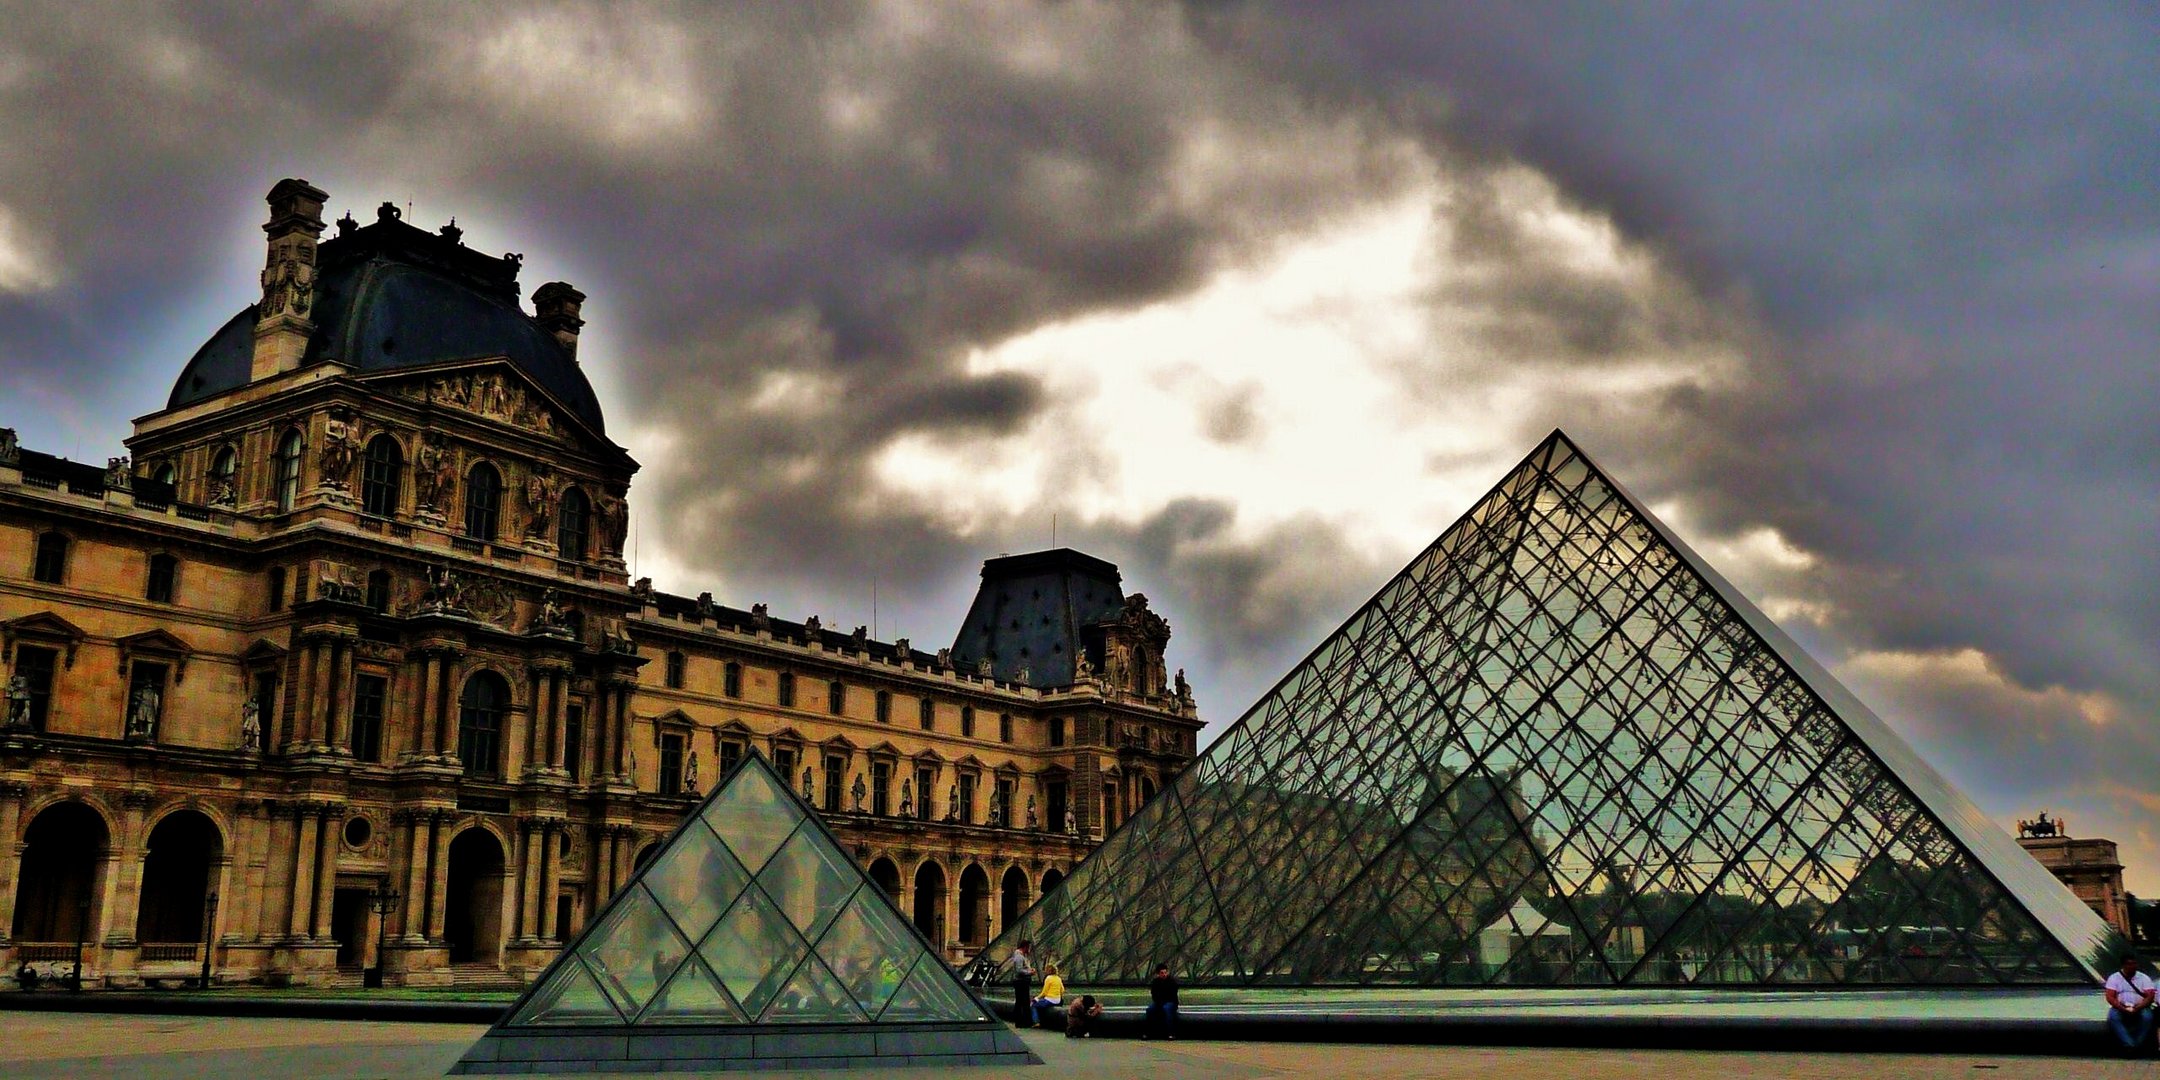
x,y
124,891
424,738
300,918
439,876
558,712
620,705
319,677
341,703
328,842
528,922
256,821
550,879
625,851
11,800
603,861
305,691
414,930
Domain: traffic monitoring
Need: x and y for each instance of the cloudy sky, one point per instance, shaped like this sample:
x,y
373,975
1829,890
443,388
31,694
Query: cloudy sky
x,y
1251,298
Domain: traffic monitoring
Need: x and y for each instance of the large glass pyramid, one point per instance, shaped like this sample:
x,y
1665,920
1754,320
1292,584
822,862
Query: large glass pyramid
x,y
1558,749
749,923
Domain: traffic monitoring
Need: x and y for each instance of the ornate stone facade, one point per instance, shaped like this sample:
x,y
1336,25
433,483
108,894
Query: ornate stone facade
x,y
356,622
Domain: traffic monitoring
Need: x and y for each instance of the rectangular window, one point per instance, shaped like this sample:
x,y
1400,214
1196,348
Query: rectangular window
x,y
671,756
731,752
36,666
573,741
966,810
785,759
925,781
787,689
836,697
884,707
164,574
881,788
835,776
1057,731
277,588
1054,806
1004,727
1004,810
731,679
926,711
50,562
967,721
369,692
676,665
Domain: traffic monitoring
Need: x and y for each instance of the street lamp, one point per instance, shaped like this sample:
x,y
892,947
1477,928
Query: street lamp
x,y
383,901
209,931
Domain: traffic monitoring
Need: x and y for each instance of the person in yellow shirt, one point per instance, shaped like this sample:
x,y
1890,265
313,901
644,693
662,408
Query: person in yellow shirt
x,y
1050,1007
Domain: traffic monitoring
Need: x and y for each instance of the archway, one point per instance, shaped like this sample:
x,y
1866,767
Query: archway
x,y
63,859
178,872
1051,880
1012,898
472,923
930,903
887,877
974,905
645,855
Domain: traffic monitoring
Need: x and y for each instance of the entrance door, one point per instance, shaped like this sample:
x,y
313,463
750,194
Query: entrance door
x,y
348,924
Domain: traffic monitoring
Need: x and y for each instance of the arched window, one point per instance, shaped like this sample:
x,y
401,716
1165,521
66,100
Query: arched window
x,y
480,723
222,470
379,476
50,564
165,474
164,574
571,524
483,501
288,470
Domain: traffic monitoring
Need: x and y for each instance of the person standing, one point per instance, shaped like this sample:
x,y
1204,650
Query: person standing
x,y
1022,972
2130,998
1162,1004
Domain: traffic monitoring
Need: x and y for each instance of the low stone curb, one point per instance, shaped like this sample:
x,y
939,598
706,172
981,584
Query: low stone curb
x,y
218,1004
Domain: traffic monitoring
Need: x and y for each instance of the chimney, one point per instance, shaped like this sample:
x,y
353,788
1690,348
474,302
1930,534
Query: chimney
x,y
555,308
282,322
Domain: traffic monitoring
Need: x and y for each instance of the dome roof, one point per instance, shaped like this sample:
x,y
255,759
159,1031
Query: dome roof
x,y
391,296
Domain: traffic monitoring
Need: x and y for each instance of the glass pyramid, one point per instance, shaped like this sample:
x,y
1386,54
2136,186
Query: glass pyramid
x,y
1559,750
749,916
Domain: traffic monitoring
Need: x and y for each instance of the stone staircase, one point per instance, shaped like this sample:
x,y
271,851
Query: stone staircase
x,y
483,977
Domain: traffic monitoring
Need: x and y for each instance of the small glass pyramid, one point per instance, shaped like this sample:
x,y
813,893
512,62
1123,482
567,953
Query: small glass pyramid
x,y
750,916
1559,750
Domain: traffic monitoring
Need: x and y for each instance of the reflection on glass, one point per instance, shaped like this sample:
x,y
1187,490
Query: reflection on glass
x,y
1553,752
634,951
754,815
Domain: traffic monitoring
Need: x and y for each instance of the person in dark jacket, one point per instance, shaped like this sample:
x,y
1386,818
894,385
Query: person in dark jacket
x,y
1162,1004
1022,973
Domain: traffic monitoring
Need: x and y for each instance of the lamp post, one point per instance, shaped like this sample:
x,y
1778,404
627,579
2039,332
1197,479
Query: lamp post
x,y
209,934
384,901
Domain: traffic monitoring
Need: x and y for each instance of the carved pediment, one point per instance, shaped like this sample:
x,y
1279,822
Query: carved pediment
x,y
885,750
971,763
264,653
787,736
494,390
838,744
42,627
674,718
736,727
157,645
929,757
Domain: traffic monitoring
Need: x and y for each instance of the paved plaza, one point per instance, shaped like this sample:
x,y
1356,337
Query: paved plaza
x,y
98,1046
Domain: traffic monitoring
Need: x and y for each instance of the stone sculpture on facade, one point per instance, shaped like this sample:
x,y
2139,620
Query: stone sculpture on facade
x,y
907,799
18,701
952,803
689,774
858,791
1031,812
10,450
806,789
540,492
1072,824
338,452
143,713
119,475
433,474
251,725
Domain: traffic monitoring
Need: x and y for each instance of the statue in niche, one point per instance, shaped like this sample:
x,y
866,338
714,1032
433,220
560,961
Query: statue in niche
x,y
338,451
143,712
689,774
539,501
551,613
614,521
1031,812
858,791
251,725
806,783
907,798
433,472
18,701
1072,824
952,803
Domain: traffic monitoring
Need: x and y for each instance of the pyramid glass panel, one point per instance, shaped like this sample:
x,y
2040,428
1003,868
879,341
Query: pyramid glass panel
x,y
749,915
1558,749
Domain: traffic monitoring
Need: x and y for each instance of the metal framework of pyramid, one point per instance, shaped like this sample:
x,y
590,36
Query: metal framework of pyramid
x,y
750,940
1559,750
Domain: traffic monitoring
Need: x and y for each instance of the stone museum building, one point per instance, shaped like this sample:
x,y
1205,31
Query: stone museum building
x,y
341,666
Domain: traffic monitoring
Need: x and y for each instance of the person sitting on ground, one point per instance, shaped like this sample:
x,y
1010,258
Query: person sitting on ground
x,y
1051,1005
1080,1019
2130,998
1162,1005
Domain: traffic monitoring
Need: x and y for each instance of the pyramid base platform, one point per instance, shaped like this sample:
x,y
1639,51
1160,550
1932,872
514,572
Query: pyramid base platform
x,y
766,1046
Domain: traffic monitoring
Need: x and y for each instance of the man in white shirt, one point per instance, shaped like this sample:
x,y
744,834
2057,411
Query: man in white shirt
x,y
2130,997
